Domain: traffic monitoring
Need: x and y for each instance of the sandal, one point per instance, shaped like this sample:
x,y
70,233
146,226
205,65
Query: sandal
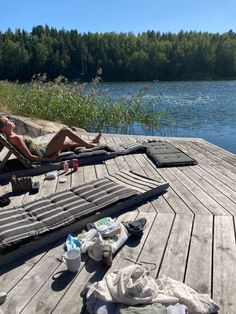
x,y
136,227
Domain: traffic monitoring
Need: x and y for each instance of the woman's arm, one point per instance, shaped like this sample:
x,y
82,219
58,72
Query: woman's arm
x,y
18,143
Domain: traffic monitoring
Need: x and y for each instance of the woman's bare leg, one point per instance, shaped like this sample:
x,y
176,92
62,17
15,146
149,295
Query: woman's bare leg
x,y
57,143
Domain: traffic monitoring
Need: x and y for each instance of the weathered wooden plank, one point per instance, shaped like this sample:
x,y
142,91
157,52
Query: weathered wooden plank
x,y
218,151
61,184
162,206
186,190
31,283
170,196
78,176
130,253
49,186
154,246
216,182
12,273
199,267
72,302
120,160
89,173
224,258
111,166
10,279
133,164
197,189
132,159
213,157
94,271
218,199
28,197
175,257
46,299
16,200
101,170
148,167
56,285
213,167
172,239
222,177
110,163
6,190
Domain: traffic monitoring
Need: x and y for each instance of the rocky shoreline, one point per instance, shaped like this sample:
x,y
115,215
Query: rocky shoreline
x,y
36,127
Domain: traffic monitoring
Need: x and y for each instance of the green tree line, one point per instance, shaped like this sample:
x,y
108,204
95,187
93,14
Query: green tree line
x,y
121,56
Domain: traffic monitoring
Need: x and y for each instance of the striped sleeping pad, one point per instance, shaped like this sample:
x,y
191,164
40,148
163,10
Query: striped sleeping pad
x,y
19,225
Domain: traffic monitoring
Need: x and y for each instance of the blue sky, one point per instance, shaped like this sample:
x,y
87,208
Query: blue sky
x,y
121,15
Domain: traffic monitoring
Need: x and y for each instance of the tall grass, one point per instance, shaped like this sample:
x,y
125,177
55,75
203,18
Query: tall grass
x,y
75,104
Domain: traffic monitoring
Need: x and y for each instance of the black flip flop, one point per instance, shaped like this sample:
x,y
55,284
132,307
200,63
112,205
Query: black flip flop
x,y
136,227
4,201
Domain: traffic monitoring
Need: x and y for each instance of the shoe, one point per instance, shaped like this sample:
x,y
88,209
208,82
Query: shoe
x,y
4,201
135,228
3,296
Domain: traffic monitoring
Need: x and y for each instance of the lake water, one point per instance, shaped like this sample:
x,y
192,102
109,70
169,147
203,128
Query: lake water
x,y
192,109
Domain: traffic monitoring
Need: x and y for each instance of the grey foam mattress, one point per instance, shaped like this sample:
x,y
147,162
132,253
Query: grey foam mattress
x,y
163,154
26,223
166,155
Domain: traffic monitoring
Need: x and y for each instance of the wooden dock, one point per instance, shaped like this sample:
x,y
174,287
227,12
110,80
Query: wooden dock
x,y
190,233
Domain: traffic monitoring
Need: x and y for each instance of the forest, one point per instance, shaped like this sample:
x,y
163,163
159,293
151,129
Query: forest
x,y
148,56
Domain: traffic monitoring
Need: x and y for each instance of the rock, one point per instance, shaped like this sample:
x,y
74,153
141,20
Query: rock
x,y
36,127
3,296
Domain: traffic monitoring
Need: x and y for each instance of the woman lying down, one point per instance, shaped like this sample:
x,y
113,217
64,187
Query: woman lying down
x,y
29,148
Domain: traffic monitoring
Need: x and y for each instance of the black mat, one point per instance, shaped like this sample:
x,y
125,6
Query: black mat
x,y
162,154
166,155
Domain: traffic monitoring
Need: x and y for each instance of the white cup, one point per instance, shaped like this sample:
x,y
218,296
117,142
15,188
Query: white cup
x,y
72,259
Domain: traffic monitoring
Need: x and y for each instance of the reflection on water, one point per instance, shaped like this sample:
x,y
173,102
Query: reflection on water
x,y
195,109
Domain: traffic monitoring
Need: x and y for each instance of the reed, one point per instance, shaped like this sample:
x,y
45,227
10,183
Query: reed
x,y
75,104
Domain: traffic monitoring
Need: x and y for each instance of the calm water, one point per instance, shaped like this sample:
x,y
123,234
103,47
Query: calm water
x,y
192,109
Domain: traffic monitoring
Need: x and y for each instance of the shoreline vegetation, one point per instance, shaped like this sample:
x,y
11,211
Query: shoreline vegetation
x,y
122,57
76,105
116,57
